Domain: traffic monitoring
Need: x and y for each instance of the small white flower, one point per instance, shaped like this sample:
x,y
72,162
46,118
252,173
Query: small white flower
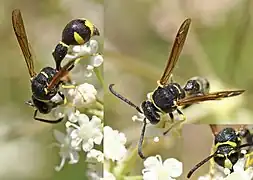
x,y
82,95
139,117
156,139
96,60
66,150
89,71
73,116
93,44
95,154
91,47
114,144
241,174
108,176
88,132
155,169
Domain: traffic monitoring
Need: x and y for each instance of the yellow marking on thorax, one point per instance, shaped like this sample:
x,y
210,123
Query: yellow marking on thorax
x,y
179,90
159,84
63,44
78,38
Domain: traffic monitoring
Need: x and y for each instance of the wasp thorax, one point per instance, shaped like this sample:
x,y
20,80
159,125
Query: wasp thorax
x,y
227,135
165,97
41,82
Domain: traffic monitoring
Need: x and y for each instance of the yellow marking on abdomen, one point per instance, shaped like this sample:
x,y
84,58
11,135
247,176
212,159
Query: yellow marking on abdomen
x,y
78,38
45,74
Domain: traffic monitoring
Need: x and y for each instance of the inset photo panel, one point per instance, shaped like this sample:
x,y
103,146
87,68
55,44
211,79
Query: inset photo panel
x,y
217,151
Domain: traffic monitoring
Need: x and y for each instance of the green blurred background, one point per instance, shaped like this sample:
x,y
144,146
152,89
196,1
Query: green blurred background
x,y
139,35
25,144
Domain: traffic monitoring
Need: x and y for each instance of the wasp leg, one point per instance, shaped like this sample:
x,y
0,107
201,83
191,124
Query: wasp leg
x,y
182,114
68,86
142,139
46,120
29,103
174,124
64,100
249,161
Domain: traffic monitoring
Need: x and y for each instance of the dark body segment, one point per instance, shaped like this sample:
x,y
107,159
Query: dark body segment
x,y
164,97
150,112
40,84
76,26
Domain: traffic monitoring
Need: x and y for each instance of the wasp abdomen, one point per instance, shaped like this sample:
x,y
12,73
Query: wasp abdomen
x,y
197,85
40,83
77,32
150,112
43,107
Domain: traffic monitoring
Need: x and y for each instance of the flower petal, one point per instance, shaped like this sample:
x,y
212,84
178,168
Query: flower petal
x,y
152,162
87,146
175,167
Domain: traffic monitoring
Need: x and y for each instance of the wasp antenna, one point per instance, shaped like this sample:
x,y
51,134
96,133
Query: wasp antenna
x,y
141,139
123,98
199,165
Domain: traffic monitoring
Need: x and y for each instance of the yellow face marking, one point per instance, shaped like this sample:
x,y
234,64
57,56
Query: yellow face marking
x,y
44,74
63,44
78,38
228,164
230,143
90,26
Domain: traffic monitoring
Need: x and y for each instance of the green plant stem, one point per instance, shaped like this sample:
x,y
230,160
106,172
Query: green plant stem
x,y
96,112
125,167
99,75
133,178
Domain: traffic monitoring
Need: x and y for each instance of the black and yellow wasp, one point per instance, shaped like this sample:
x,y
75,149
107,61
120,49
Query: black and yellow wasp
x,y
168,95
227,147
45,85
76,32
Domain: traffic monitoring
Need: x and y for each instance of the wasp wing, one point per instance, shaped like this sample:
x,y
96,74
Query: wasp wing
x,y
61,73
19,29
208,97
175,52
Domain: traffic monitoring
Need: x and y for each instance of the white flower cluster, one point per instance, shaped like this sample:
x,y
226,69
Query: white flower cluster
x,y
83,130
88,50
155,169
